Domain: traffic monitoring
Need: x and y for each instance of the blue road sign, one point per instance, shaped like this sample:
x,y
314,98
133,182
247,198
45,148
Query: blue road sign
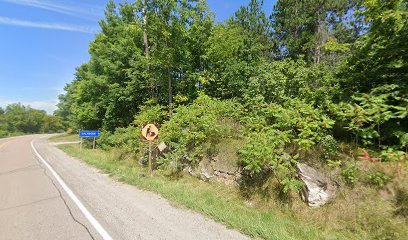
x,y
89,133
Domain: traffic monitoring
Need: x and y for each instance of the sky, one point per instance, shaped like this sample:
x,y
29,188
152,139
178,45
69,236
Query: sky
x,y
43,41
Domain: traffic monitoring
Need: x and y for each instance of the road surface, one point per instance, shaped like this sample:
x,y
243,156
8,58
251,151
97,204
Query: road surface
x,y
45,194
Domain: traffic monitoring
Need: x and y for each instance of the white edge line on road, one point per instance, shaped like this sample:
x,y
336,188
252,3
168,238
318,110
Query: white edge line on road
x,y
104,234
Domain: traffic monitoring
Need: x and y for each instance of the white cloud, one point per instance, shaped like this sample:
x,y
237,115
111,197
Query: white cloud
x,y
48,106
47,25
85,12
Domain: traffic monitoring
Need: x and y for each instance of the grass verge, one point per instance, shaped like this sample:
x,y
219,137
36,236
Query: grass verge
x,y
218,201
360,212
4,134
64,138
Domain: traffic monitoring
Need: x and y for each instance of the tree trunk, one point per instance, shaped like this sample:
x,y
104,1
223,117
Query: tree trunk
x,y
146,45
145,39
170,92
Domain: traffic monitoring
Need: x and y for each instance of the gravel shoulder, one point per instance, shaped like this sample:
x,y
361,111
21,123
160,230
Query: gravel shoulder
x,y
125,211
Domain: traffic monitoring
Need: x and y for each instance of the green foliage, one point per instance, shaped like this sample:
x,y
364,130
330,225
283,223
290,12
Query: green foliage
x,y
230,67
329,147
150,114
265,151
291,184
334,164
276,85
20,119
306,125
192,126
128,139
380,55
174,161
288,78
378,179
392,155
121,76
370,111
404,140
350,173
303,27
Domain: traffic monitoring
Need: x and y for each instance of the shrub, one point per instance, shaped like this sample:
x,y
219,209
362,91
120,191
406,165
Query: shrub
x,y
265,151
350,173
128,139
150,114
370,111
3,133
193,127
329,146
306,125
392,155
378,179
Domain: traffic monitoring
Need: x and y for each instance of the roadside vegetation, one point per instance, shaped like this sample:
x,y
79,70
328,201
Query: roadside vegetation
x,y
320,83
67,137
17,119
215,200
360,212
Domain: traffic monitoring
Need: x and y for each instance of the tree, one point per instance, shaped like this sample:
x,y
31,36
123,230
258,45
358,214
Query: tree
x,y
257,27
380,55
235,51
17,118
301,27
146,50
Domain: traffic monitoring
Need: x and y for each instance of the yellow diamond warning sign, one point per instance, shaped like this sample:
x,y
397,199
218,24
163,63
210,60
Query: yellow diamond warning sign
x,y
150,132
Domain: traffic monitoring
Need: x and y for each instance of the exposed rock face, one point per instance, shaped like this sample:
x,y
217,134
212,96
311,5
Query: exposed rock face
x,y
206,170
209,170
318,189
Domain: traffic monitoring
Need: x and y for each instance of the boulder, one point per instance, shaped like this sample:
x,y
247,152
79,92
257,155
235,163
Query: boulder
x,y
318,189
206,170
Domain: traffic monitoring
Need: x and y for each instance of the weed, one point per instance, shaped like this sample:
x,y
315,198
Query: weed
x,y
378,179
350,173
218,201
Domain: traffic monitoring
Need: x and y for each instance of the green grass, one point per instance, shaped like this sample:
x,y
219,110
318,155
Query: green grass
x,y
358,212
4,134
64,138
218,201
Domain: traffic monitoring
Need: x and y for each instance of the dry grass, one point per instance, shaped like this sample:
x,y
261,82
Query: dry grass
x,y
260,210
65,138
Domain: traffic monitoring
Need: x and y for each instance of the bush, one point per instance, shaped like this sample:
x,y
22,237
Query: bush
x,y
378,179
391,155
150,114
3,133
127,139
350,173
192,128
307,125
329,146
265,152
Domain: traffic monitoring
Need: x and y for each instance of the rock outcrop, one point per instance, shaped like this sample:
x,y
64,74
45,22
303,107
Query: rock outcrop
x,y
318,189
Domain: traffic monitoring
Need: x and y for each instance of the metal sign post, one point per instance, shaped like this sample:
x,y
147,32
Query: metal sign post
x,y
89,134
93,144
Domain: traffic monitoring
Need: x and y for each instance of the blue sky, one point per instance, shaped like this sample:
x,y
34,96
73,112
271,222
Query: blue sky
x,y
43,41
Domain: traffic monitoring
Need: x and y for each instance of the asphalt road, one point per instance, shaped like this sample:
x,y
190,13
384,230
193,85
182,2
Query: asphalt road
x,y
45,194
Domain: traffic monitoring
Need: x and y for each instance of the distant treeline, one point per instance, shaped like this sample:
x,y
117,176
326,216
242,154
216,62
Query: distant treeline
x,y
18,119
